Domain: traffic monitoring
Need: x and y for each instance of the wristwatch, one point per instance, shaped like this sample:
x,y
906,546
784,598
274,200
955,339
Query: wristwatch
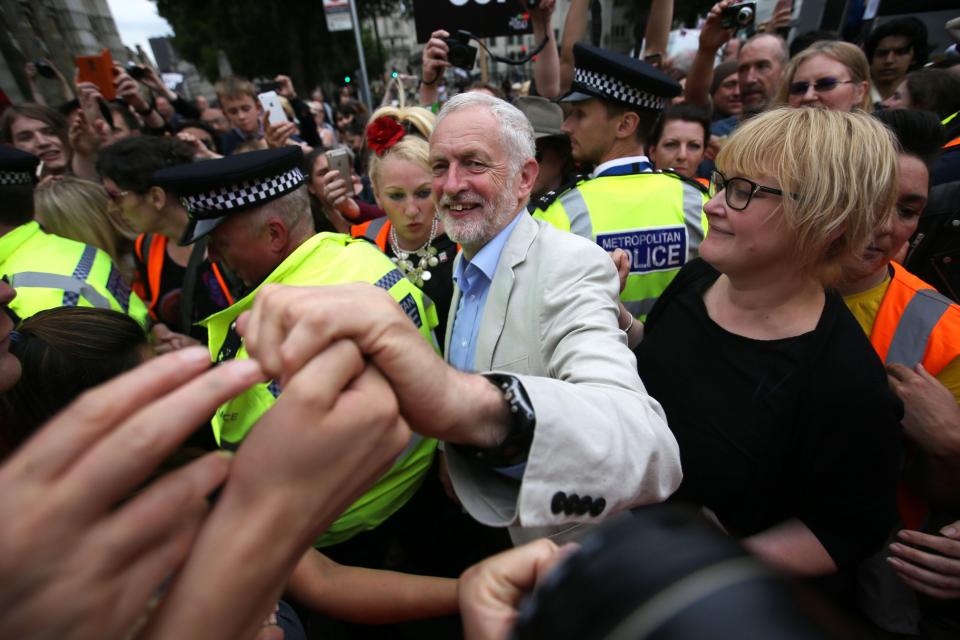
x,y
516,446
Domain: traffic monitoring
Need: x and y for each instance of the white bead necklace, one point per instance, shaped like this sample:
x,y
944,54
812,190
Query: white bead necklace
x,y
427,256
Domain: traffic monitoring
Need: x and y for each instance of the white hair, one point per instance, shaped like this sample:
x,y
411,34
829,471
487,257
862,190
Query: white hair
x,y
516,132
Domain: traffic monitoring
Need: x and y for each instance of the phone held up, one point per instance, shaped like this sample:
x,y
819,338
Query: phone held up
x,y
98,69
339,160
270,102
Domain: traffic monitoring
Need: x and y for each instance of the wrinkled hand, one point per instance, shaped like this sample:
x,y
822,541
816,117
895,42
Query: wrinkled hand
x,y
278,135
490,592
164,340
435,54
936,574
712,35
200,150
82,551
128,90
340,197
290,325
931,415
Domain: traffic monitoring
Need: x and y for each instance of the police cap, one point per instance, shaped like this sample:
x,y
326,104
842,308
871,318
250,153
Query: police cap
x,y
603,74
17,167
211,190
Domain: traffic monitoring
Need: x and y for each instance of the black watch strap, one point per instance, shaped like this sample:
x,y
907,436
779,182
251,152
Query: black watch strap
x,y
516,446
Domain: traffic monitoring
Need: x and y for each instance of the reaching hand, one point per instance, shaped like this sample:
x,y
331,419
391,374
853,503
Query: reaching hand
x,y
712,35
85,545
931,415
339,195
435,54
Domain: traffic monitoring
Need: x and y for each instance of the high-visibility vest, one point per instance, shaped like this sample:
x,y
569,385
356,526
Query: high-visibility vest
x,y
376,231
151,250
49,272
915,324
326,259
656,217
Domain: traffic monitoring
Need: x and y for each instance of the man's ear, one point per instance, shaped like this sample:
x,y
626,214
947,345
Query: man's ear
x,y
627,126
157,198
529,171
278,234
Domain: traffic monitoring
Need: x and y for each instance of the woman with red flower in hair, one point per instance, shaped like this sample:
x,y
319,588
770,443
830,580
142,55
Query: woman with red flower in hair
x,y
411,234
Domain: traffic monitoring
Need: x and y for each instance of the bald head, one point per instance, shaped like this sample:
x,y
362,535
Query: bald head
x,y
760,67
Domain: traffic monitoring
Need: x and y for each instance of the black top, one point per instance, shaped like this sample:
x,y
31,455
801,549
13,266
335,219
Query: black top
x,y
439,287
803,427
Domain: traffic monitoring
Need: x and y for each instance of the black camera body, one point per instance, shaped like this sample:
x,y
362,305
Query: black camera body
x,y
136,71
739,15
461,54
44,69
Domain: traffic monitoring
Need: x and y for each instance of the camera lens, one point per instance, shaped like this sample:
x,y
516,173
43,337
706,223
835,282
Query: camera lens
x,y
745,16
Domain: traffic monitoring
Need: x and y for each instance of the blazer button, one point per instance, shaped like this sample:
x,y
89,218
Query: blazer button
x,y
597,507
558,503
572,501
586,502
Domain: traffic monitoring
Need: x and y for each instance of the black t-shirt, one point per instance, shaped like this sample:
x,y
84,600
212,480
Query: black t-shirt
x,y
803,427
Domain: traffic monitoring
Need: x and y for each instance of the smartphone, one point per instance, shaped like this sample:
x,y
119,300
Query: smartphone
x,y
339,159
270,102
98,69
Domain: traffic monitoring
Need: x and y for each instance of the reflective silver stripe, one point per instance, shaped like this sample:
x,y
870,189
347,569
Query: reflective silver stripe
x,y
910,339
374,229
68,284
693,218
640,307
415,439
577,213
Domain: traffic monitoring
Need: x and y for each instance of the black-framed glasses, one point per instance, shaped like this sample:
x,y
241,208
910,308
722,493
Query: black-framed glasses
x,y
738,191
823,85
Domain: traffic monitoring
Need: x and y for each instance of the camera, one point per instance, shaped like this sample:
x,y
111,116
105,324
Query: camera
x,y
738,16
136,71
461,54
44,69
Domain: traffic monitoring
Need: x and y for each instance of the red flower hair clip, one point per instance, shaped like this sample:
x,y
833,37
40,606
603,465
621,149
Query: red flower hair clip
x,y
383,133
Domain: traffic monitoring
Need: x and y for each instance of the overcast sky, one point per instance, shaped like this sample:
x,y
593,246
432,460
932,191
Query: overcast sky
x,y
138,20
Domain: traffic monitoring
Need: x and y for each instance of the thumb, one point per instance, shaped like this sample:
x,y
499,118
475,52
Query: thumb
x,y
161,331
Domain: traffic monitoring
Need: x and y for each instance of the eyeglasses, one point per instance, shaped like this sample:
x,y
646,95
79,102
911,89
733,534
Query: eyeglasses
x,y
738,191
823,85
116,195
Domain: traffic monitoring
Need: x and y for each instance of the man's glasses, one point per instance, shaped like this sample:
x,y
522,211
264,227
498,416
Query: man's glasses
x,y
823,85
738,191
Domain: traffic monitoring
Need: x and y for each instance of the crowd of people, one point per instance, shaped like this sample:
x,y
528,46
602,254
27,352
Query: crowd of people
x,y
431,370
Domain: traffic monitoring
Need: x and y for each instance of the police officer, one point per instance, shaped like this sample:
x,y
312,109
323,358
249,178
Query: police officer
x,y
655,216
49,271
255,211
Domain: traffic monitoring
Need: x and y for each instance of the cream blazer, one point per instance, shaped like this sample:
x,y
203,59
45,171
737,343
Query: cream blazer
x,y
551,319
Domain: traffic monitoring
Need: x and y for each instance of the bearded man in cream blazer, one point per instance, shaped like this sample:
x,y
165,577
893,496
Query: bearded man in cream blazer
x,y
556,429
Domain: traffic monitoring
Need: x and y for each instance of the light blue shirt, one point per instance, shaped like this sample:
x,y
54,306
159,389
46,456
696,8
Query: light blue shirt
x,y
473,278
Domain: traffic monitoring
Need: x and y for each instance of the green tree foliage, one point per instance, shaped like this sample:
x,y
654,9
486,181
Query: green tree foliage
x,y
266,38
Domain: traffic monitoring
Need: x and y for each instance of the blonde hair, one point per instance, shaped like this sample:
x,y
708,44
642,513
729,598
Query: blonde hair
x,y
839,168
235,87
413,147
850,56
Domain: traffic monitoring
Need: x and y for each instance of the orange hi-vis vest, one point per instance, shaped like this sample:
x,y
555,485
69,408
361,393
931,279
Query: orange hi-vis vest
x,y
154,256
376,231
915,324
953,143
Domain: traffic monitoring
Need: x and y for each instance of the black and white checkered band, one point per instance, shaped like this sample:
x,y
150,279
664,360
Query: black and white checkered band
x,y
614,89
242,195
15,177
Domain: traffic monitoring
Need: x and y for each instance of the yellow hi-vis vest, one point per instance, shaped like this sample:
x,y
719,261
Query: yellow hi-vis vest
x,y
49,272
326,259
656,217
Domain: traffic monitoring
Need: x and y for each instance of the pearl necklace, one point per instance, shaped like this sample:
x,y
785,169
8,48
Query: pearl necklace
x,y
427,256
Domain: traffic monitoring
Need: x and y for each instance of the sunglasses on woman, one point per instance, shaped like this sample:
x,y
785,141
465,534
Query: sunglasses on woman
x,y
823,85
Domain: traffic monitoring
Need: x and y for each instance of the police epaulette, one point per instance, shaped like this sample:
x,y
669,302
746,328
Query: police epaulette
x,y
543,202
690,181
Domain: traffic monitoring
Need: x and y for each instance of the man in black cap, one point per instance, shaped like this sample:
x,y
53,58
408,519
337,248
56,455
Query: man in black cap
x,y
657,218
255,209
49,271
